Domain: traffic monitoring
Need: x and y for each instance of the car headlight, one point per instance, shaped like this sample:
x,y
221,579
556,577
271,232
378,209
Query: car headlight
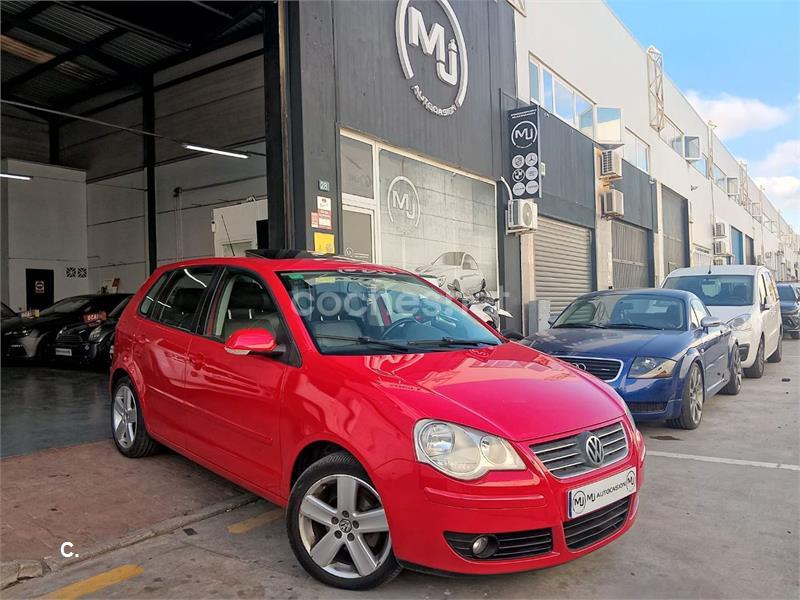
x,y
649,367
96,334
462,452
741,323
20,332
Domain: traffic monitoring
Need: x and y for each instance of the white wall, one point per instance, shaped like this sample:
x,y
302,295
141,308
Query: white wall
x,y
44,227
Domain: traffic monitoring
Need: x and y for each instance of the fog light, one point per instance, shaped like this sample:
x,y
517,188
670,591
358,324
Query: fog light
x,y
484,546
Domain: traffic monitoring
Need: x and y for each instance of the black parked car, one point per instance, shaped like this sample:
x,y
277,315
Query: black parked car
x,y
33,337
789,294
89,342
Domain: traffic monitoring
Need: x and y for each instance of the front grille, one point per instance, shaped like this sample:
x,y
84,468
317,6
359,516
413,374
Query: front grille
x,y
565,458
645,407
516,544
606,369
588,529
69,339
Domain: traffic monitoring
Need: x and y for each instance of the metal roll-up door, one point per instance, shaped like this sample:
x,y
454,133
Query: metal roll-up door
x,y
631,256
562,262
675,228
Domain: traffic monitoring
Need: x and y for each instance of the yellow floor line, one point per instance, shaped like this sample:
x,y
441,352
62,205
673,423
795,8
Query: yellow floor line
x,y
96,583
257,521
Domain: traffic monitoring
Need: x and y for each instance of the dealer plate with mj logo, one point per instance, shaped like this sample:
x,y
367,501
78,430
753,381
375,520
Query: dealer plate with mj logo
x,y
596,495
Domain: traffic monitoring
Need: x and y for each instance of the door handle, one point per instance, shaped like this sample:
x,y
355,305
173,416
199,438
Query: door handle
x,y
141,338
197,361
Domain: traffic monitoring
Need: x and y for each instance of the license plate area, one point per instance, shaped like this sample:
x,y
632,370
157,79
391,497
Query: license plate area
x,y
597,494
63,352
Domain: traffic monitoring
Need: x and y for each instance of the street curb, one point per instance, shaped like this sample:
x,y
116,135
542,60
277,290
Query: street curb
x,y
17,570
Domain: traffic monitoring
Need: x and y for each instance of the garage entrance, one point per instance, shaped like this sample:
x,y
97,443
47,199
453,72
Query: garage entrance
x,y
562,262
675,215
631,255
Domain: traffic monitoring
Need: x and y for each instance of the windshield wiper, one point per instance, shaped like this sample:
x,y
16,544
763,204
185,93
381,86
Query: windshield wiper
x,y
448,341
630,326
362,339
579,326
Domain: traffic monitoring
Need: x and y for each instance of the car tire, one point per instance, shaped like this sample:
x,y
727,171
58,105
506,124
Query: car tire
x,y
694,396
128,429
734,385
45,351
324,532
777,356
756,371
795,335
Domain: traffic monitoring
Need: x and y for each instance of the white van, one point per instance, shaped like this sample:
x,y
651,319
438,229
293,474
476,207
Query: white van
x,y
746,299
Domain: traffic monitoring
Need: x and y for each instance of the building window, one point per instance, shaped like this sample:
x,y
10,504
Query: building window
x,y
565,102
547,90
672,135
719,178
356,167
585,113
533,70
636,152
609,125
701,165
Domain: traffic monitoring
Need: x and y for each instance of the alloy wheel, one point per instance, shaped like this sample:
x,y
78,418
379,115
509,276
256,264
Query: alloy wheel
x,y
696,395
738,372
124,416
343,526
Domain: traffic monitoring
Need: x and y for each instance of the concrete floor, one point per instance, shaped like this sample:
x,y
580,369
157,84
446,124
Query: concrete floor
x,y
43,407
719,518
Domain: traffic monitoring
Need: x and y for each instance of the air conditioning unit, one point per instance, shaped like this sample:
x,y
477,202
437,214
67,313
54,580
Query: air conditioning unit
x,y
720,229
691,148
613,204
523,215
720,261
732,185
611,165
721,248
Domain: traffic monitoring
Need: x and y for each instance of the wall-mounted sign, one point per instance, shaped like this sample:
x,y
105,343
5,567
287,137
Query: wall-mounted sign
x,y
324,242
402,204
324,186
524,170
450,58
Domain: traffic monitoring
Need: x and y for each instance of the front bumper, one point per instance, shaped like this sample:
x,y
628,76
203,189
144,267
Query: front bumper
x,y
791,322
748,347
423,505
20,346
82,352
651,399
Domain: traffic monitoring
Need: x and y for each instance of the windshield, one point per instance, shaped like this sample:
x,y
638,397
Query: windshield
x,y
451,259
352,312
787,292
67,305
716,290
624,311
114,314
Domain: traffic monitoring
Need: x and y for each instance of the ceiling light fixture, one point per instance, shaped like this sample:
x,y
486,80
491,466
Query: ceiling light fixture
x,y
214,151
13,176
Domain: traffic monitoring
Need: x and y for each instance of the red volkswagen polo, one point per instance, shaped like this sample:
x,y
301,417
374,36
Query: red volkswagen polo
x,y
397,429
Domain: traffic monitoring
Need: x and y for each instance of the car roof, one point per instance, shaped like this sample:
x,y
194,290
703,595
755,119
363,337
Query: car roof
x,y
666,292
717,270
285,260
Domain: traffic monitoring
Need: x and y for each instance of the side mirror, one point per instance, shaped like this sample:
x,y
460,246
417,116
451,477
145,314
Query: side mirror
x,y
513,335
253,341
709,322
551,320
767,305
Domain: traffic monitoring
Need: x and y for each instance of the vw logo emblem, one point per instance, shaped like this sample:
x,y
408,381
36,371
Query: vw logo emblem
x,y
593,450
581,366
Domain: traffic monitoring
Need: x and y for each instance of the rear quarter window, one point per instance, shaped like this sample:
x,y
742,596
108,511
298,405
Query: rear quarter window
x,y
149,300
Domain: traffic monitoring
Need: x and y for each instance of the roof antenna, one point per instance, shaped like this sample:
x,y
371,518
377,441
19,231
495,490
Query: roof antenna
x,y
230,243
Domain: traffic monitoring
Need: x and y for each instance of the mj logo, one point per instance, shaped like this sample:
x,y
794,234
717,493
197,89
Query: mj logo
x,y
402,204
451,56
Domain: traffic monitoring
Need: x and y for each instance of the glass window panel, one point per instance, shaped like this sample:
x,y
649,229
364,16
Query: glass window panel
x,y
609,124
692,146
719,177
585,115
643,156
533,70
629,149
356,167
701,166
565,102
547,90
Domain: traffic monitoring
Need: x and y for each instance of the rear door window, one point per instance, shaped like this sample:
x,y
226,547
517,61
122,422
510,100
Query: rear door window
x,y
149,301
180,304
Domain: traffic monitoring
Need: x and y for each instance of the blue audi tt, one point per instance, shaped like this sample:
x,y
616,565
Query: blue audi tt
x,y
660,349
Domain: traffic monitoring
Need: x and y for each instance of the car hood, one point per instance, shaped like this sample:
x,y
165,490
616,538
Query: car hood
x,y
47,322
789,306
726,313
616,343
509,390
437,270
83,329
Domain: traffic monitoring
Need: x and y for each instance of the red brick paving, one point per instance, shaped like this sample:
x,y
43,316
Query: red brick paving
x,y
90,493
